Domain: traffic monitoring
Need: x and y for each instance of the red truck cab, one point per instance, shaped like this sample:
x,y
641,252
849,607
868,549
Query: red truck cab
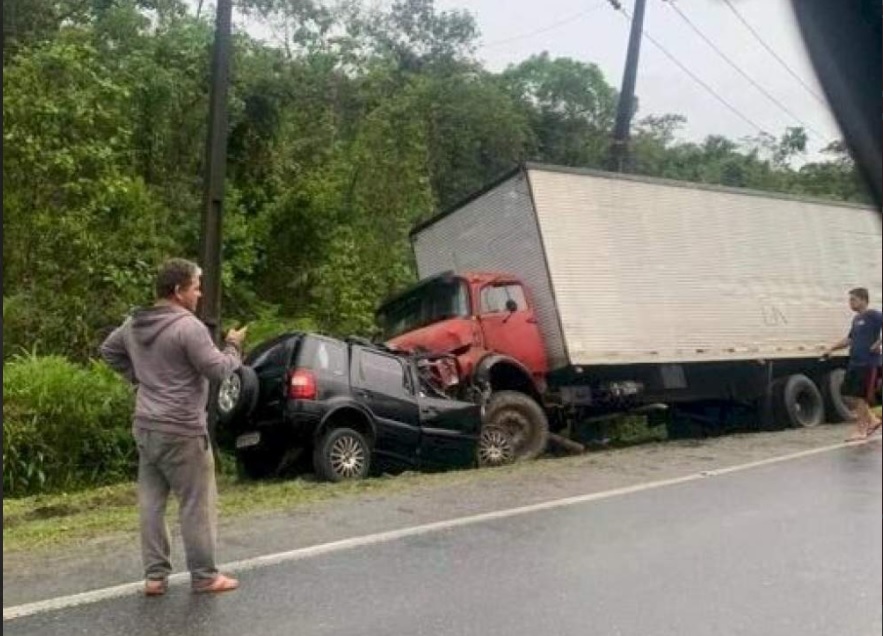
x,y
485,319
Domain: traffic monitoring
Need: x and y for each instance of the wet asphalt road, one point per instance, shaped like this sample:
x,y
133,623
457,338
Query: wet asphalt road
x,y
788,549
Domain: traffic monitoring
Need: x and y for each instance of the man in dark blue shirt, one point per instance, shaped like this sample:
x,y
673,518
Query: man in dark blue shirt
x,y
864,361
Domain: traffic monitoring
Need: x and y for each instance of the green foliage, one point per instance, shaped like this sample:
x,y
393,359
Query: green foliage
x,y
268,323
570,107
64,425
81,232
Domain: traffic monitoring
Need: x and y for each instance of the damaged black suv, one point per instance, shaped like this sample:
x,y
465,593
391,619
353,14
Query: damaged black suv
x,y
354,407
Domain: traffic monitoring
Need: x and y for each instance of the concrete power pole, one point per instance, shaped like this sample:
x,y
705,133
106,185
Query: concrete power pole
x,y
619,149
215,171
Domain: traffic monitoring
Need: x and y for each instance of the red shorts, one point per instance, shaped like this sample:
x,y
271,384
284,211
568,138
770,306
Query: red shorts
x,y
873,387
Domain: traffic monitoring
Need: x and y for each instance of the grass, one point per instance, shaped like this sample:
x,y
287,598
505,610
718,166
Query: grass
x,y
66,519
44,521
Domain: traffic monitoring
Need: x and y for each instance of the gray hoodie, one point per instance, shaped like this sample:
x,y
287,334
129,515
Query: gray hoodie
x,y
168,354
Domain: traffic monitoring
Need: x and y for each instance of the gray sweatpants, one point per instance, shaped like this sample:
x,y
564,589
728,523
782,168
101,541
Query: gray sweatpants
x,y
186,467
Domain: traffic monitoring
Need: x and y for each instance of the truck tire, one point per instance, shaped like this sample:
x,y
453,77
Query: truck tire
x,y
799,402
836,410
524,419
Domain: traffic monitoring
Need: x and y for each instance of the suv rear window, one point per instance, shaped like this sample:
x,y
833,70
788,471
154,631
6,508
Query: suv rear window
x,y
326,357
276,353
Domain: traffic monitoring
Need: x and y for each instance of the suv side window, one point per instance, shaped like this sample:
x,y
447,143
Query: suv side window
x,y
325,357
493,298
383,374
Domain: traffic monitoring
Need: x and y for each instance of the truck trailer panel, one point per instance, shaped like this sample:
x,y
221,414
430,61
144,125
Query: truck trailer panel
x,y
628,270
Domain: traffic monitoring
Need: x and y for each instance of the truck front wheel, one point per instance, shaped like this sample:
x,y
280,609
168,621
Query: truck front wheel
x,y
523,419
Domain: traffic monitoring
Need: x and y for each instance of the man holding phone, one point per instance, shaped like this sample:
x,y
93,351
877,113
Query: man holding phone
x,y
169,355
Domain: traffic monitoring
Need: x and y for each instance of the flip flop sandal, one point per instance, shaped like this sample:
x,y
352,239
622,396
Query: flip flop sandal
x,y
220,583
155,587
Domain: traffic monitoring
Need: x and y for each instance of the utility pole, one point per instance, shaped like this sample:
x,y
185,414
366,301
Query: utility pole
x,y
215,170
619,149
213,204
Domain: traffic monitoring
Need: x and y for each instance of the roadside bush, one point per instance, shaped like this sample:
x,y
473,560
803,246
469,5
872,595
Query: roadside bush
x,y
65,426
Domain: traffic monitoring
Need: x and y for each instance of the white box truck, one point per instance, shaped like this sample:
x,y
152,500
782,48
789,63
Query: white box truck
x,y
590,292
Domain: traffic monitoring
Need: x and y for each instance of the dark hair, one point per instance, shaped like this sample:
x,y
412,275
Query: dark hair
x,y
174,273
861,293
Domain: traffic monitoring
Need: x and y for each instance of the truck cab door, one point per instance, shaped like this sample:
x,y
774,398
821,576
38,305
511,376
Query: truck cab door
x,y
509,325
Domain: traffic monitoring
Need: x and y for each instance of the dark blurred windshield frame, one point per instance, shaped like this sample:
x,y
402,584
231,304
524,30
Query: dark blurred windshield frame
x,y
844,41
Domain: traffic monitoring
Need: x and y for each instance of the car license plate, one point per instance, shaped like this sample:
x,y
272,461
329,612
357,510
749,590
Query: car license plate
x,y
247,440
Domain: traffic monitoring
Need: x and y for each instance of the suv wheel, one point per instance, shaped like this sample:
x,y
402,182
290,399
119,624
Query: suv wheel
x,y
522,419
237,394
342,455
495,447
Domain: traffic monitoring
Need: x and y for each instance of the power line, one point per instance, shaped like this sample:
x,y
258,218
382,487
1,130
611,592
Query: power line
x,y
774,54
741,72
547,28
697,79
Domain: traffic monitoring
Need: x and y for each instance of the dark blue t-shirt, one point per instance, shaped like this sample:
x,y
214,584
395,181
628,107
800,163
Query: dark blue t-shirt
x,y
864,333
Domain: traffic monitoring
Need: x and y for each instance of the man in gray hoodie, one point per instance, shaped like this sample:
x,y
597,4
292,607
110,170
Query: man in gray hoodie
x,y
169,355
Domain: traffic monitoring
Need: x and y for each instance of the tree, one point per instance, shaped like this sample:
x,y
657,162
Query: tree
x,y
417,38
79,227
837,177
569,105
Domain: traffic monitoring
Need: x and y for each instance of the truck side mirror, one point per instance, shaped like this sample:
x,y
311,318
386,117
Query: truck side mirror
x,y
511,306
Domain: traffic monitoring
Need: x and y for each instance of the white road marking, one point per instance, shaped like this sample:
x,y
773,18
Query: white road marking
x,y
129,589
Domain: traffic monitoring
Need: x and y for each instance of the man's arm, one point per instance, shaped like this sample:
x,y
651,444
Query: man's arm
x,y
113,351
876,347
210,361
837,346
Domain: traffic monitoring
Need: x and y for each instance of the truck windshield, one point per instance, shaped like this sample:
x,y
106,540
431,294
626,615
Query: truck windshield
x,y
436,301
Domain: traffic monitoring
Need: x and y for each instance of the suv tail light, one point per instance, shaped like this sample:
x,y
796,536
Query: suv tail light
x,y
302,385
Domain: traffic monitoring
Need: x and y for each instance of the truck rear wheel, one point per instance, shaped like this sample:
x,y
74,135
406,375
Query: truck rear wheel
x,y
523,419
799,402
836,409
